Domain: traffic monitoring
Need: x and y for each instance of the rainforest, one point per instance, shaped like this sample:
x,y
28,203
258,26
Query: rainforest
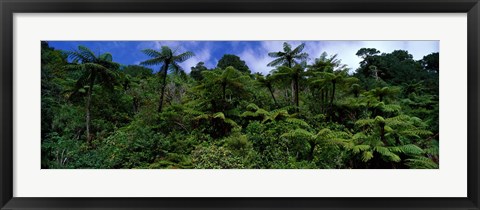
x,y
297,110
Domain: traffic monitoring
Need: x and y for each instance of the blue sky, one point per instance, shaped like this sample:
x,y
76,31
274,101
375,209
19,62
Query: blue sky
x,y
254,53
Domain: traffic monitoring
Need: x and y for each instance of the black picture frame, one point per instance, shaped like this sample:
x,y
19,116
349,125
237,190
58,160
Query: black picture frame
x,y
9,7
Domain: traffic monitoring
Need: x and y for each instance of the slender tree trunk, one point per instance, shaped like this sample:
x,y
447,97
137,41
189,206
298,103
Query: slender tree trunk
x,y
88,114
296,93
312,150
333,94
273,96
164,84
292,84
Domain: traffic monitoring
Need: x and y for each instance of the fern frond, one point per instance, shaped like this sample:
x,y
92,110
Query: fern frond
x,y
365,122
361,147
359,136
219,115
432,150
411,149
387,153
366,156
298,133
338,142
398,119
230,122
296,121
202,116
417,132
252,107
262,112
249,114
391,108
421,163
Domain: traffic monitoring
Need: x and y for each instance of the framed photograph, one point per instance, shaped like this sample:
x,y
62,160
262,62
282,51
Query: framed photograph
x,y
239,105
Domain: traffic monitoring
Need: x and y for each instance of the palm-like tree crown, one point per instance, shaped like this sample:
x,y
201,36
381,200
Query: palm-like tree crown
x,y
288,57
168,61
326,64
167,58
95,68
230,77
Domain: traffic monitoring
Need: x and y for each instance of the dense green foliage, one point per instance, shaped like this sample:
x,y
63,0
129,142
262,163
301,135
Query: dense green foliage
x,y
307,113
233,61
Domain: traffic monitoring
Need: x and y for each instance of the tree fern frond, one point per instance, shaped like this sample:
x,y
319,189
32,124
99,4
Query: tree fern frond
x,y
379,119
298,133
297,122
301,56
432,150
230,122
152,53
95,67
248,114
298,49
411,149
391,108
366,156
276,54
420,162
398,119
219,115
184,56
384,151
359,136
275,62
153,61
338,141
86,53
166,51
359,148
106,57
202,116
287,47
252,107
262,112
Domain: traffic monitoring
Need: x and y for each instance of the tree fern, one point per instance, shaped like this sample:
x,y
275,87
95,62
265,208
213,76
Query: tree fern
x,y
168,60
420,162
296,121
386,152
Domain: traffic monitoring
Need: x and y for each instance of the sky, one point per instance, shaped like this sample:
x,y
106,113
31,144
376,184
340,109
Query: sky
x,y
254,53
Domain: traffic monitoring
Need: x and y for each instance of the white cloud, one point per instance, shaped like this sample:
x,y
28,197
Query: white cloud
x,y
257,60
200,56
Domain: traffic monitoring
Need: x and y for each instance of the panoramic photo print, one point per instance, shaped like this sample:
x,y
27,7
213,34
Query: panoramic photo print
x,y
283,104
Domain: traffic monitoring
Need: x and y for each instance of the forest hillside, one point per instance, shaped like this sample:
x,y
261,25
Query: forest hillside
x,y
306,113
